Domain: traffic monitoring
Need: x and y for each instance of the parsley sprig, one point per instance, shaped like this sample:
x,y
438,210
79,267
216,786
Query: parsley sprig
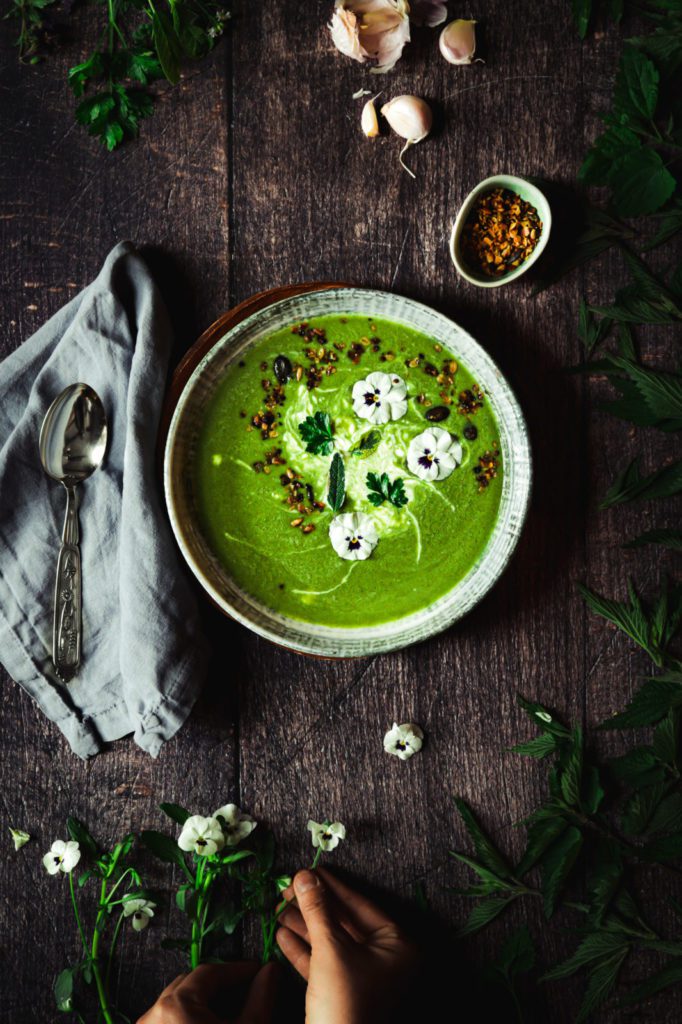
x,y
381,489
33,21
316,431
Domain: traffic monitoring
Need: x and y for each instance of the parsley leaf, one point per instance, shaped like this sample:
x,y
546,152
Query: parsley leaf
x,y
336,494
316,431
381,489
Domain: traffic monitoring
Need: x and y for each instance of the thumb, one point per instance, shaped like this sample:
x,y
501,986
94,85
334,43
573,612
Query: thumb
x,y
314,903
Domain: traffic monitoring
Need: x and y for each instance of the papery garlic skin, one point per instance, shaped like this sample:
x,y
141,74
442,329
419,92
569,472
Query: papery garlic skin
x,y
371,30
458,41
411,118
368,120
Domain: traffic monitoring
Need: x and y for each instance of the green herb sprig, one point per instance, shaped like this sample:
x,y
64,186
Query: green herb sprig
x,y
141,41
368,444
381,489
316,431
33,22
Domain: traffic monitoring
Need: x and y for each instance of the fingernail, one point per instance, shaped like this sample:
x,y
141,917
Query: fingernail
x,y
305,880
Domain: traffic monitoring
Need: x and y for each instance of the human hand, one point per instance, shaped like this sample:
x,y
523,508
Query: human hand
x,y
191,998
355,959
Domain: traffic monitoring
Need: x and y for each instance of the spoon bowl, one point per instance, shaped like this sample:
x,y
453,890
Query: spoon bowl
x,y
73,440
73,437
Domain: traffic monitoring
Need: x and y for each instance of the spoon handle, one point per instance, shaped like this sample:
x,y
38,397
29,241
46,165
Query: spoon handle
x,y
66,635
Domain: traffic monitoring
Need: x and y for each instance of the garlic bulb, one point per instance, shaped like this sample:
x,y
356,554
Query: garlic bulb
x,y
368,120
458,41
411,118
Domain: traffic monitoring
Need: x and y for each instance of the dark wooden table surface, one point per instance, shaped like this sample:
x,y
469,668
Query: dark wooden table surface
x,y
252,173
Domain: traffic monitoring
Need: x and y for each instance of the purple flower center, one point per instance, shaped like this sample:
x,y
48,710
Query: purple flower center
x,y
354,542
426,458
372,398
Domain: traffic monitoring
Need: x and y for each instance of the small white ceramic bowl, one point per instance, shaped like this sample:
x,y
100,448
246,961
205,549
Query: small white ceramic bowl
x,y
307,637
532,195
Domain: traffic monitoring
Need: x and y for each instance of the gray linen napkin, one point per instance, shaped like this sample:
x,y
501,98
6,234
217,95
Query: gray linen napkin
x,y
143,653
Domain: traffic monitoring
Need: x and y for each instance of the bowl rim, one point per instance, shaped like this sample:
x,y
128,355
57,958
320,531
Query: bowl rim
x,y
542,205
384,637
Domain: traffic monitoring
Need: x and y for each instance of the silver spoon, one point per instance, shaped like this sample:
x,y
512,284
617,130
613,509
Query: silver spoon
x,y
73,439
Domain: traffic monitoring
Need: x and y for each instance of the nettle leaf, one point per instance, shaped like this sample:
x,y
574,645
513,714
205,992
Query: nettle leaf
x,y
591,331
607,149
517,955
666,739
630,485
597,946
593,792
639,808
669,221
669,974
636,91
652,702
671,539
572,770
544,829
493,883
605,879
602,980
664,849
78,832
175,812
336,495
487,853
650,398
485,912
641,183
541,746
629,617
582,9
557,865
638,767
543,718
667,817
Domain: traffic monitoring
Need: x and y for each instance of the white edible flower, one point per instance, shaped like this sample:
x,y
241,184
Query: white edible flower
x,y
202,836
403,740
62,856
371,30
434,454
236,825
140,910
327,835
353,535
380,397
19,838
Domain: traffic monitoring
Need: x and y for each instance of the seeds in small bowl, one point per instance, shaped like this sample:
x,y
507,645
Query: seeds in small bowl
x,y
500,233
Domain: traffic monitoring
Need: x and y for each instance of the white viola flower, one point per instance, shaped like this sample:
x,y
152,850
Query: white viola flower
x,y
236,825
434,454
19,838
141,911
62,856
327,834
380,397
353,535
403,740
202,836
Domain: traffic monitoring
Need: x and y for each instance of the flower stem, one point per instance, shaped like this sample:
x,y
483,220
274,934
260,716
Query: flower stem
x,y
94,955
110,958
77,915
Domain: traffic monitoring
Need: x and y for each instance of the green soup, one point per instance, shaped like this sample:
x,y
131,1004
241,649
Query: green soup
x,y
263,498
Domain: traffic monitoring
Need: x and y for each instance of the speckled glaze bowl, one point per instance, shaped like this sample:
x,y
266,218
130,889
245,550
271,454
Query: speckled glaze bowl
x,y
326,641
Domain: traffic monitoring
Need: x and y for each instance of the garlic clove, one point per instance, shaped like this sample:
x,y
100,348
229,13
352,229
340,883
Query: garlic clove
x,y
457,41
411,118
368,120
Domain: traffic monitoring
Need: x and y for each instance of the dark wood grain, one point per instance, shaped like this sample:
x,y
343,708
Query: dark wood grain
x,y
254,174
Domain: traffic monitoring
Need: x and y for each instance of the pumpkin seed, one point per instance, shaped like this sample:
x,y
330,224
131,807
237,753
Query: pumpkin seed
x,y
283,369
437,414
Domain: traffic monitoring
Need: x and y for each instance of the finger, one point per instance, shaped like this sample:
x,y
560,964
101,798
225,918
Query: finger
x,y
365,914
314,904
208,980
173,985
292,918
153,1012
295,950
261,998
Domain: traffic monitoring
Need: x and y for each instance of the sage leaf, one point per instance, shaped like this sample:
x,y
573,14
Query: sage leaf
x,y
336,495
369,443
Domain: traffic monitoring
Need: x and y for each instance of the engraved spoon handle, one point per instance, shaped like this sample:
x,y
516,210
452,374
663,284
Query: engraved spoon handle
x,y
66,635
